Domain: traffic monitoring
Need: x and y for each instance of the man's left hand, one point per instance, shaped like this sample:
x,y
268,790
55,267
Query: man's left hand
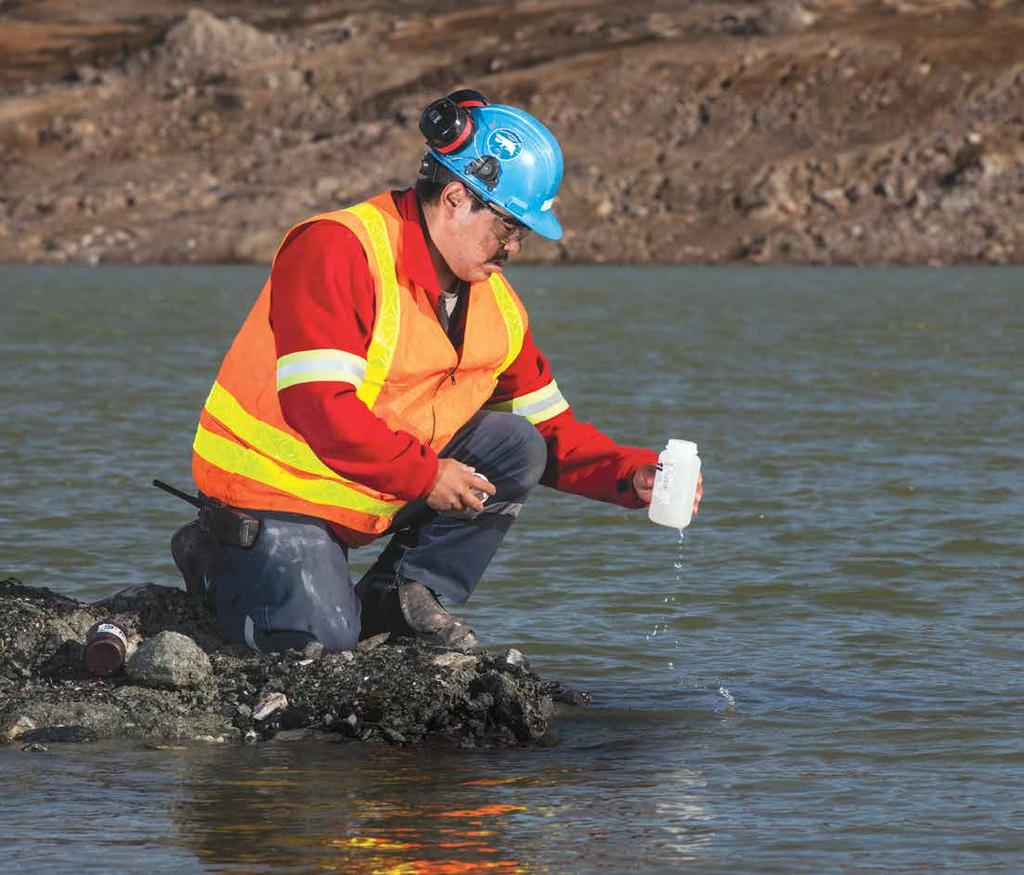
x,y
643,483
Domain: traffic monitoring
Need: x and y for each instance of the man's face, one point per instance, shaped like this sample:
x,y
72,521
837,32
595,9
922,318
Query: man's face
x,y
479,242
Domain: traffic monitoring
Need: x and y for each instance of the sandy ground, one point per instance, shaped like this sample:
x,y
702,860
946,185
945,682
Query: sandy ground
x,y
822,132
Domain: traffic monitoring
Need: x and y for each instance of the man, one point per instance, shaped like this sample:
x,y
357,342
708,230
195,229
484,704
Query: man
x,y
386,382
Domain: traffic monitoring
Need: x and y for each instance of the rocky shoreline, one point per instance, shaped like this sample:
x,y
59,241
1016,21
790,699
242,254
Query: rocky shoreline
x,y
182,683
840,132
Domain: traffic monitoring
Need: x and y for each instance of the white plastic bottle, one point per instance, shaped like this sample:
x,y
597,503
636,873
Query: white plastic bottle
x,y
675,484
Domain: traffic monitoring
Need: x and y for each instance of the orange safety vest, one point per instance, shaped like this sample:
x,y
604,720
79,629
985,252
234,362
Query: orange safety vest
x,y
246,455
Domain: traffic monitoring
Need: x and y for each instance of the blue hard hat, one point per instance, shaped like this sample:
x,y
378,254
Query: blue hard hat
x,y
529,159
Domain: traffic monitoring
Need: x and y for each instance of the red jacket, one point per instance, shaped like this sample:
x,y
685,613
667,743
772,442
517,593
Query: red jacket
x,y
322,297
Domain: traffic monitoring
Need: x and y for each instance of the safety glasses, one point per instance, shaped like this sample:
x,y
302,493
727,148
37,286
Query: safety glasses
x,y
515,230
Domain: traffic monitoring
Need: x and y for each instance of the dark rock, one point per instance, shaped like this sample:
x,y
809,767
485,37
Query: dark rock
x,y
60,734
396,694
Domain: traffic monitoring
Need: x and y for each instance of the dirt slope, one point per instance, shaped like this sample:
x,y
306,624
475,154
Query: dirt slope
x,y
826,132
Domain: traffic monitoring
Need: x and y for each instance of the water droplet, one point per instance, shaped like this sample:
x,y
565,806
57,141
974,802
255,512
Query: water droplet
x,y
730,701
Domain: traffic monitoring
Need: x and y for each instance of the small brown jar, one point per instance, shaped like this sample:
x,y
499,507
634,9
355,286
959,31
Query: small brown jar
x,y
106,644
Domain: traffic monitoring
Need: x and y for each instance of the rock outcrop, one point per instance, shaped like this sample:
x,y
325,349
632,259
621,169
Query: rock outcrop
x,y
183,683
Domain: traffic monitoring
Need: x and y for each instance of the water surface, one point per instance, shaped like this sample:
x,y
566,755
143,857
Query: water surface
x,y
830,682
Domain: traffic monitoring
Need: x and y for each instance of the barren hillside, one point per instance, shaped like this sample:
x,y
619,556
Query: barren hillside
x,y
826,132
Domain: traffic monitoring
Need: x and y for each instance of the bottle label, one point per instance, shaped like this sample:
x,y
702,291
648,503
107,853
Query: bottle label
x,y
662,493
111,629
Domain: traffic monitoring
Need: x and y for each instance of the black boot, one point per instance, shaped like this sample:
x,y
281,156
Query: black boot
x,y
380,611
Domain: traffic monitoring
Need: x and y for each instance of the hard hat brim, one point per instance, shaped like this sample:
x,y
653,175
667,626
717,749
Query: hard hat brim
x,y
545,224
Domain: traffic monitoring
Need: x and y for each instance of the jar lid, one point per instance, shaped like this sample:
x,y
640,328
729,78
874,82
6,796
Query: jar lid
x,y
681,446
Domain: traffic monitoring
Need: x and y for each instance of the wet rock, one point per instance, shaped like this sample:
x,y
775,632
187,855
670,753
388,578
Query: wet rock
x,y
17,727
394,692
60,734
169,660
35,748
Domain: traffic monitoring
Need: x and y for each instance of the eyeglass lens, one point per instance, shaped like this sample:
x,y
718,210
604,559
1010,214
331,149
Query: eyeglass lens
x,y
516,230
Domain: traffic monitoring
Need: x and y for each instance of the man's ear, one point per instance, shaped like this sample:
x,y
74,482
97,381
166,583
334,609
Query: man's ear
x,y
452,195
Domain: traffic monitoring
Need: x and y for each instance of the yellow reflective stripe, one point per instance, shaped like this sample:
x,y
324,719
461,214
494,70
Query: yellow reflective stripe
x,y
537,406
513,322
270,441
244,462
385,329
314,365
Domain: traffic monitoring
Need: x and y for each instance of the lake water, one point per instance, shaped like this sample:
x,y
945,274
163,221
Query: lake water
x,y
830,682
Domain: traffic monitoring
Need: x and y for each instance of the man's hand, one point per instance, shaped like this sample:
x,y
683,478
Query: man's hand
x,y
643,483
453,488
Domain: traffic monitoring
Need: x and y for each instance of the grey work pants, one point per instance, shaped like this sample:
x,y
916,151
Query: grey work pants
x,y
293,585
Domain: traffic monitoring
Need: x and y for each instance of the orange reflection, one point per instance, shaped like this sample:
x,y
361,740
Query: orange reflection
x,y
452,867
490,782
483,812
376,844
469,842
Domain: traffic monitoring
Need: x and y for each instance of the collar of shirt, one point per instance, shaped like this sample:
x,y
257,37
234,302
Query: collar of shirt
x,y
415,256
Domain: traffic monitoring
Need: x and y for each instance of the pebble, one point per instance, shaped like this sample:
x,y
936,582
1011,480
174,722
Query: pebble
x,y
515,657
373,643
270,704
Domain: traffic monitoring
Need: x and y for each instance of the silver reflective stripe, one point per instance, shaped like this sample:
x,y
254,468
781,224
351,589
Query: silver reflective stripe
x,y
536,406
320,365
505,508
250,633
539,406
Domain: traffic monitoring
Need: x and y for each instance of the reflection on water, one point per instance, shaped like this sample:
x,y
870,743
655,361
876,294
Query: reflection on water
x,y
334,808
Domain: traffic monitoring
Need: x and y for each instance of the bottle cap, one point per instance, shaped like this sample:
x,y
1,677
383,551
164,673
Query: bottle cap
x,y
681,446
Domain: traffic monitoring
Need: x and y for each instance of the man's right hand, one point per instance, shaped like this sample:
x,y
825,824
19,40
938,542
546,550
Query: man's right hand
x,y
453,488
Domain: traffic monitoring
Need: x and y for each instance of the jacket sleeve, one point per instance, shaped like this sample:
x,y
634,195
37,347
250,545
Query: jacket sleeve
x,y
581,459
322,313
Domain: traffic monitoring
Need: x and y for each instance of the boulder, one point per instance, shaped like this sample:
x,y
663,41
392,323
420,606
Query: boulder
x,y
169,660
202,46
